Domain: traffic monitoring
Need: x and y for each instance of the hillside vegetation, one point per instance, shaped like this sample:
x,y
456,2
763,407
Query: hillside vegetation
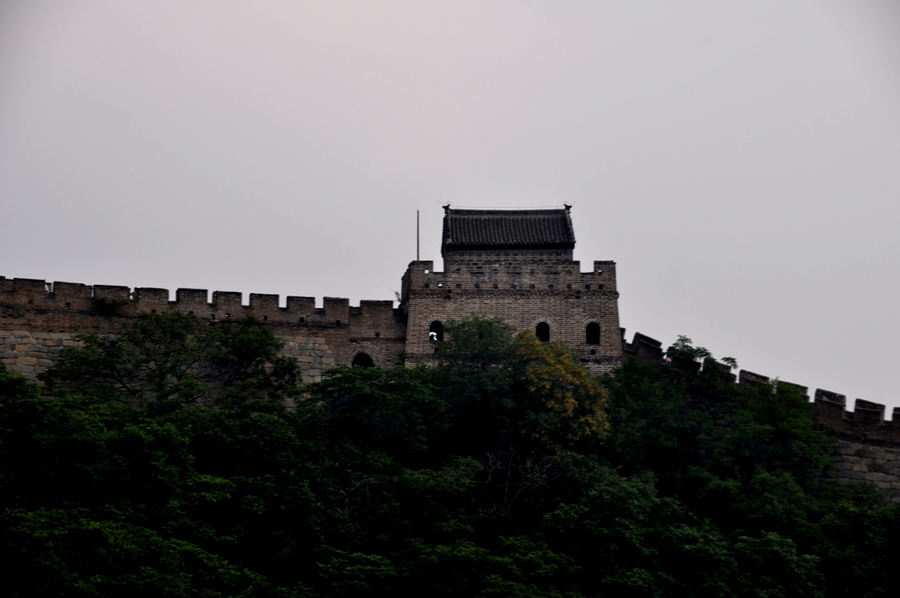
x,y
178,459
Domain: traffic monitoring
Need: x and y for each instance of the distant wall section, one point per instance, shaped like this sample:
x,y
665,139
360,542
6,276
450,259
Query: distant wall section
x,y
867,446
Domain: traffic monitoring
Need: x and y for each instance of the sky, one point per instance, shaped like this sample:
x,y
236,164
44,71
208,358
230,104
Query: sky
x,y
739,161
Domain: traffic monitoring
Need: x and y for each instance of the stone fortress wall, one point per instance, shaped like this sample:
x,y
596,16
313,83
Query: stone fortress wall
x,y
40,319
535,283
867,446
513,264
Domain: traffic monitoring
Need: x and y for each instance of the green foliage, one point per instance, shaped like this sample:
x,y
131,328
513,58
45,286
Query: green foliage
x,y
393,412
175,358
564,406
179,459
744,457
518,392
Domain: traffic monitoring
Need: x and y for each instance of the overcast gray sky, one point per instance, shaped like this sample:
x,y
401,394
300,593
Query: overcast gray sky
x,y
740,161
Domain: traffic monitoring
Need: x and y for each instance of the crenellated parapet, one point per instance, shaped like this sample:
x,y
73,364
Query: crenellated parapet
x,y
865,423
511,275
643,348
867,448
19,296
39,318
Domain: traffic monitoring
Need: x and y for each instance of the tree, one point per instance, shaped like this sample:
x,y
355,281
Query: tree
x,y
565,404
173,357
165,461
515,390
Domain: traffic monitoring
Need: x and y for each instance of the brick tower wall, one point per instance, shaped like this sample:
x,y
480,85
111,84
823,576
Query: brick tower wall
x,y
522,288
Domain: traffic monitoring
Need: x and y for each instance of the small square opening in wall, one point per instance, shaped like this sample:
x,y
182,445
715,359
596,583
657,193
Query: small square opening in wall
x,y
587,287
531,286
495,286
427,286
477,286
551,286
458,286
377,335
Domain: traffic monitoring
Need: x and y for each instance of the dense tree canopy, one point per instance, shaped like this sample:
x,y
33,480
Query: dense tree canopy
x,y
178,459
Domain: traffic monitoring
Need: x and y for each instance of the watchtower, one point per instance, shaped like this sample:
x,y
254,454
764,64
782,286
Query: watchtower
x,y
515,265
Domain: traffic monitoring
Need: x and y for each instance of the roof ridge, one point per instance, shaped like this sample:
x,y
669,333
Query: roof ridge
x,y
505,210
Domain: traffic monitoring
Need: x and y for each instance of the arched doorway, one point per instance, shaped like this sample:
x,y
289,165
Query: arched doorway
x,y
542,332
592,333
363,360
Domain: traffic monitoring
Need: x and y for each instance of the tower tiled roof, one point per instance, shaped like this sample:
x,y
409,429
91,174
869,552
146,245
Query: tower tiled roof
x,y
496,229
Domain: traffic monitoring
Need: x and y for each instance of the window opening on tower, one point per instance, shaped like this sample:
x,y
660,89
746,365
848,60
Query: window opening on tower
x,y
436,331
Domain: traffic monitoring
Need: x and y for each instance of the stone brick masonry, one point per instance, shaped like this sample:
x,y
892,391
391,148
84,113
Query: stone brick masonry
x,y
859,462
33,352
38,320
524,290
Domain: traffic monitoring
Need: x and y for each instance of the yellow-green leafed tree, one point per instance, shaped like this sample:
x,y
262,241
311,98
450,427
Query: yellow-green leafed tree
x,y
510,390
567,405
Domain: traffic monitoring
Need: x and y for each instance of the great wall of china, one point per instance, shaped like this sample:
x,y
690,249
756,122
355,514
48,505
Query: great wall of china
x,y
515,265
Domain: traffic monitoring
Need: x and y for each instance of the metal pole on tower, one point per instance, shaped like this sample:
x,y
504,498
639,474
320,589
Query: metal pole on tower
x,y
417,235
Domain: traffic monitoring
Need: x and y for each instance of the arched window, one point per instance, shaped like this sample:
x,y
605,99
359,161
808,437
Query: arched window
x,y
436,332
542,332
362,360
592,333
